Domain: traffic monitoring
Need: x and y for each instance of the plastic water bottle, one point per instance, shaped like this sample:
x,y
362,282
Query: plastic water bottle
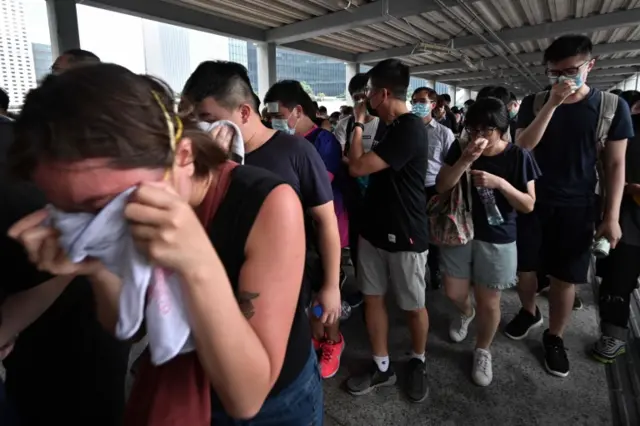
x,y
494,217
601,248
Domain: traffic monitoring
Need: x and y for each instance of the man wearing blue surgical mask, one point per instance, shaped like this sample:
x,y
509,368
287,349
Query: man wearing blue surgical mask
x,y
560,126
513,107
439,140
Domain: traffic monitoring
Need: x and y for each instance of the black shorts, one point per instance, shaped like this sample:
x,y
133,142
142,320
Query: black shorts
x,y
556,240
313,276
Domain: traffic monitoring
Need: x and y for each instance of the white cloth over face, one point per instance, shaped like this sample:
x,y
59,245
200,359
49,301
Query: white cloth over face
x,y
148,292
236,149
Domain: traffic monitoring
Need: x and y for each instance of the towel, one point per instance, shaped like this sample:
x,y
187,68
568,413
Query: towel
x,y
236,149
148,292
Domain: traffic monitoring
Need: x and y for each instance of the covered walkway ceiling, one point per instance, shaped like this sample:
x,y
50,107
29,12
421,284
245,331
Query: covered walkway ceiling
x,y
469,43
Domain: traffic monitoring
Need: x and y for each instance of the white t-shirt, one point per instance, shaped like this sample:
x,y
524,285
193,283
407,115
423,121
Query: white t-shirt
x,y
368,135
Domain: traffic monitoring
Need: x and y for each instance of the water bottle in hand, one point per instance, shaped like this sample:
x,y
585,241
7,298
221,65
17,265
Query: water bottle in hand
x,y
494,217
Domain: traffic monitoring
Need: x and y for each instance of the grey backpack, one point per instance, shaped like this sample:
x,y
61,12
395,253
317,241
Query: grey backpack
x,y
608,107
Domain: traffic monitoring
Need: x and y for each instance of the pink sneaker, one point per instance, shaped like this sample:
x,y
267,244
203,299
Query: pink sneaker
x,y
330,357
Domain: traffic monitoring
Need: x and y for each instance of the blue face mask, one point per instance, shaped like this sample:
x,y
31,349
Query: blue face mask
x,y
578,80
512,113
282,124
421,110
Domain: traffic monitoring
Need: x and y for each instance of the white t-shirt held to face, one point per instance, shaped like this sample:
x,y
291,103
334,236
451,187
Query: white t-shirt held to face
x,y
368,135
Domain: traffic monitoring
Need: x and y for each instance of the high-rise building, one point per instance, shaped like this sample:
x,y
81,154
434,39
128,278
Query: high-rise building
x,y
17,75
42,60
166,52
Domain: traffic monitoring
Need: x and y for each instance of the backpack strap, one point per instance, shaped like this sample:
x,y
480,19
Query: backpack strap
x,y
467,175
207,210
608,107
539,101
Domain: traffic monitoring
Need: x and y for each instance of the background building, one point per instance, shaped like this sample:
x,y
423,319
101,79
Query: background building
x,y
42,60
17,76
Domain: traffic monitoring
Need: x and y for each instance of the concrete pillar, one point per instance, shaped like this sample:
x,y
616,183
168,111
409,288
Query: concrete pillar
x,y
352,69
63,26
267,69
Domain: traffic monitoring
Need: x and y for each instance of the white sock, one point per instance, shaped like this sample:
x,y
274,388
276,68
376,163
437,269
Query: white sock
x,y
421,356
382,362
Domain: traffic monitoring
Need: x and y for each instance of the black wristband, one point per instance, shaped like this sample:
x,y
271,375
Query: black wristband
x,y
358,125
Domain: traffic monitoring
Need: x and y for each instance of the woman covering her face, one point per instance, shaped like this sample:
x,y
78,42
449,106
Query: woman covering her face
x,y
88,135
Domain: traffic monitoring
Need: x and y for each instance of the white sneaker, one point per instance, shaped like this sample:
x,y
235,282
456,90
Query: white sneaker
x,y
459,327
482,373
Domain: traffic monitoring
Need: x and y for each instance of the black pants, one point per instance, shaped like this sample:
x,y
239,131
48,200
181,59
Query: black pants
x,y
433,258
620,272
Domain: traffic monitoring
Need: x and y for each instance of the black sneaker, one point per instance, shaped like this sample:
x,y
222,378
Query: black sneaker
x,y
555,355
522,324
577,303
374,378
417,387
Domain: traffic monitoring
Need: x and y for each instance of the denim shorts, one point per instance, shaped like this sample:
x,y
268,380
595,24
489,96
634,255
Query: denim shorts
x,y
485,264
7,415
299,404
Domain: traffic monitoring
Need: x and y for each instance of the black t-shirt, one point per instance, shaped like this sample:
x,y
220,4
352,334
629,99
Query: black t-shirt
x,y
395,201
65,368
295,160
517,166
630,208
229,230
567,152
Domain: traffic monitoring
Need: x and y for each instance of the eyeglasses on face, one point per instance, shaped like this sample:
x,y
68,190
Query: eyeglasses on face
x,y
567,72
486,132
420,101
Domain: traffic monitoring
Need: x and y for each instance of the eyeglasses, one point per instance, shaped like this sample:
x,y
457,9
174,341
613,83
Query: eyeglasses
x,y
480,132
420,101
567,72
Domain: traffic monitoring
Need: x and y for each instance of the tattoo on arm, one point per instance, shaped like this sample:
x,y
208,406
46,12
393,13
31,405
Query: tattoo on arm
x,y
245,300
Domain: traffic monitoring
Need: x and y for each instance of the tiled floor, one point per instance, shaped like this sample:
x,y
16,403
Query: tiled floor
x,y
522,393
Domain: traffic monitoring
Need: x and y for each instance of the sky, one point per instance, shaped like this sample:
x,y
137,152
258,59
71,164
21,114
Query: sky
x,y
116,37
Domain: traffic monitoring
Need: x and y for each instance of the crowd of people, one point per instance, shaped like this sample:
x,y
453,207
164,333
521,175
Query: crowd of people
x,y
495,195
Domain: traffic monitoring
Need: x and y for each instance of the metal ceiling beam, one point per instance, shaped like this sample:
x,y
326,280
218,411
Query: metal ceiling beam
x,y
368,14
176,14
180,15
619,19
535,57
321,50
597,72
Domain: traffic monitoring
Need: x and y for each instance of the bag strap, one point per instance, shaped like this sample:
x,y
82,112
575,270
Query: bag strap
x,y
539,101
608,107
207,210
347,143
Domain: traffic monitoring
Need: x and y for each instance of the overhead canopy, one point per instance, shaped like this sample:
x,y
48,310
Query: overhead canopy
x,y
463,42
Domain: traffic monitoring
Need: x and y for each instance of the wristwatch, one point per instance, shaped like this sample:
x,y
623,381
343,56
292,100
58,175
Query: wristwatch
x,y
358,125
